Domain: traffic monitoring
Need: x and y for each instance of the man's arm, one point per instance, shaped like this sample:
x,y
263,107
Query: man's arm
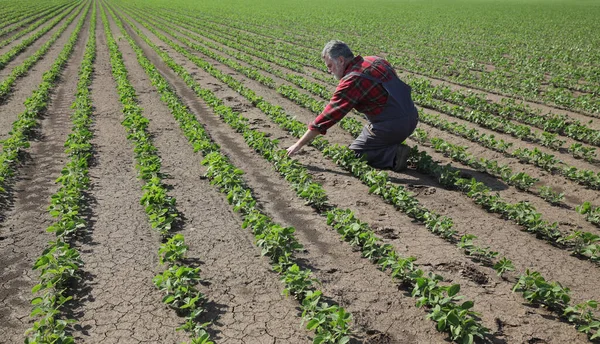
x,y
308,136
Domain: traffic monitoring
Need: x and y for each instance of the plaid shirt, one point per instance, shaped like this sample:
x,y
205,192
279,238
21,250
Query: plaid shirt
x,y
353,91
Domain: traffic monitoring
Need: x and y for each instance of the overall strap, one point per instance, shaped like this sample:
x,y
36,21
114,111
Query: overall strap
x,y
365,76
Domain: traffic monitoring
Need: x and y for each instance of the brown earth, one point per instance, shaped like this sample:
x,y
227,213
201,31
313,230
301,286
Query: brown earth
x,y
116,301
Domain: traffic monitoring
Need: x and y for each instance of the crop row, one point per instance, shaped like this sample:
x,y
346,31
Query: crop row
x,y
544,161
329,322
508,108
23,68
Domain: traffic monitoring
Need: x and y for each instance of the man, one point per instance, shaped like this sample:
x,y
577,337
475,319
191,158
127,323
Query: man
x,y
370,85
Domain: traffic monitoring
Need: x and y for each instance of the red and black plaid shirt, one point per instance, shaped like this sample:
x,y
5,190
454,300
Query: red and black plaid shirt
x,y
353,91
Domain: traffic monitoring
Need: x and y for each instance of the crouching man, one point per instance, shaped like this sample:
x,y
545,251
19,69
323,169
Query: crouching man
x,y
370,85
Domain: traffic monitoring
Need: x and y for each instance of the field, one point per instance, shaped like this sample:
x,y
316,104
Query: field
x,y
146,195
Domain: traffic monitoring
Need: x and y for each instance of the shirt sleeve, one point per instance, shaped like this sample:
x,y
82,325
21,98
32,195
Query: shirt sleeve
x,y
347,94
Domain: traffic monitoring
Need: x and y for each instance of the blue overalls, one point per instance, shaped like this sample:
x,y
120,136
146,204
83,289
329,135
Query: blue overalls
x,y
380,138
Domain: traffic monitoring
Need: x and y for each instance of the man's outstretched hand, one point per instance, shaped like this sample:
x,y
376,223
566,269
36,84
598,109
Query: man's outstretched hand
x,y
293,149
306,138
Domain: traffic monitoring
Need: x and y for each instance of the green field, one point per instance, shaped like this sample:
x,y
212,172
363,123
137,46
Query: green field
x,y
146,195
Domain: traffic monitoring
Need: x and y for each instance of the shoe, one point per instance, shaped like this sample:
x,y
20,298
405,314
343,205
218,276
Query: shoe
x,y
400,162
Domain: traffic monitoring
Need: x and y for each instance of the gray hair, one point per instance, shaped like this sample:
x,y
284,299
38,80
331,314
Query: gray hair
x,y
334,49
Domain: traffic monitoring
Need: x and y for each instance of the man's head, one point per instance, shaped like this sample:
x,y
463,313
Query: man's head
x,y
337,55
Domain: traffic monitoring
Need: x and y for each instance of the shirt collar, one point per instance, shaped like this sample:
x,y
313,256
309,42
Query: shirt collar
x,y
357,60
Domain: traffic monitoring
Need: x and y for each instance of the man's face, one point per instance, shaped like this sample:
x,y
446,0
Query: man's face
x,y
335,66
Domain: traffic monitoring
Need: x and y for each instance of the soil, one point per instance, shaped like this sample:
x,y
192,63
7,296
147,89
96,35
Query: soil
x,y
116,300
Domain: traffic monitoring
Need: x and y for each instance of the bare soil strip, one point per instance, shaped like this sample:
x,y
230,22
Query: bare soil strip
x,y
23,232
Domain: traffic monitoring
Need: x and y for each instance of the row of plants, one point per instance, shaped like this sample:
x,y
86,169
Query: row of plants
x,y
458,153
591,213
329,322
502,265
520,180
536,290
536,157
59,263
27,64
17,49
178,281
506,125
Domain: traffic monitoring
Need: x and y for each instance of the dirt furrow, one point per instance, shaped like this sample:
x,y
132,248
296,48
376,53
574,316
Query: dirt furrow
x,y
23,230
14,105
396,227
